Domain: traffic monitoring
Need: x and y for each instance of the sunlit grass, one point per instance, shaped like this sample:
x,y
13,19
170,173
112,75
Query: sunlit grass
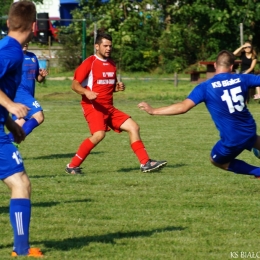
x,y
189,210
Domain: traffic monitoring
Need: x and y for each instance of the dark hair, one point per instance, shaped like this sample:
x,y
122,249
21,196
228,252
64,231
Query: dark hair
x,y
225,59
101,36
21,16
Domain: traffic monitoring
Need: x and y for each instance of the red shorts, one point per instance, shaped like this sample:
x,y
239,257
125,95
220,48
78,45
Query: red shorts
x,y
101,118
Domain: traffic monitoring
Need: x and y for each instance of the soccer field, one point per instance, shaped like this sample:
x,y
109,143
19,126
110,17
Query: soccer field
x,y
188,210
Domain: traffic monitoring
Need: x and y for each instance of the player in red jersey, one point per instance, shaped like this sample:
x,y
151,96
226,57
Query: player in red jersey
x,y
95,79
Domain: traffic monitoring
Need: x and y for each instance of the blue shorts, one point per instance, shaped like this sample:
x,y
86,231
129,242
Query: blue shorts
x,y
10,159
30,102
222,154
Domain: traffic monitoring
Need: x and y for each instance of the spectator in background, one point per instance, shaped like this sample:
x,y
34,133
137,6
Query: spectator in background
x,y
248,61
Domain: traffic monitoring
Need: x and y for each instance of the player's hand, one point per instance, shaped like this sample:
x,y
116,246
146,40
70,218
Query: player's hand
x,y
43,72
146,107
16,130
120,86
91,95
18,109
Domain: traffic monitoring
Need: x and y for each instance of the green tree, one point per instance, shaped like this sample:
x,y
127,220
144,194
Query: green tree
x,y
199,29
171,34
135,31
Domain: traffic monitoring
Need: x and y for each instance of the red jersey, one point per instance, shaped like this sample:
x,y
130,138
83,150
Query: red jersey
x,y
99,76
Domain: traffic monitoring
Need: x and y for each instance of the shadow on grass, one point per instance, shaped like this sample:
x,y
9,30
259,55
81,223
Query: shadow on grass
x,y
46,204
167,166
110,238
58,156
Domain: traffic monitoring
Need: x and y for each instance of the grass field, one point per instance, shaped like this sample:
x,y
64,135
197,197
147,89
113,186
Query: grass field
x,y
189,210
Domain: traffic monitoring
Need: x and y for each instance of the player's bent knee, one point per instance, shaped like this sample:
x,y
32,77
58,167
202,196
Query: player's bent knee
x,y
39,117
221,166
41,120
133,128
98,136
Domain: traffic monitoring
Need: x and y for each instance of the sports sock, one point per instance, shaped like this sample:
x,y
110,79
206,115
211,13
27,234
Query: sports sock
x,y
140,151
28,126
241,167
20,215
83,151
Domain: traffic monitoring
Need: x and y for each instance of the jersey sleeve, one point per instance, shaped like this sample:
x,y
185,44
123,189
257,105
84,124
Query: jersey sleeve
x,y
197,95
83,70
252,80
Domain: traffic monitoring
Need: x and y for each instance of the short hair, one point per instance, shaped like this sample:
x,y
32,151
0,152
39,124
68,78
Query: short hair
x,y
225,59
101,36
21,16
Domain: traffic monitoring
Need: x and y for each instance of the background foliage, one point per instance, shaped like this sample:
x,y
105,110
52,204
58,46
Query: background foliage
x,y
169,35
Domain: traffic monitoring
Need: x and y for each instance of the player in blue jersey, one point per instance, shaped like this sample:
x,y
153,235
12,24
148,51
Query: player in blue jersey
x,y
224,96
20,23
26,90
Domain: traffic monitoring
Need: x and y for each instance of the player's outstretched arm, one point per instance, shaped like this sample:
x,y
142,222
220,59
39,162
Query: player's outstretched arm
x,y
175,109
17,109
15,129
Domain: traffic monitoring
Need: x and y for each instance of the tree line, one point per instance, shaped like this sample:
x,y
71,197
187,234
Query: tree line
x,y
163,35
168,35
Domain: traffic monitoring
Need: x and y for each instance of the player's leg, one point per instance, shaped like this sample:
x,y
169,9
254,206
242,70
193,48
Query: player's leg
x,y
83,151
225,158
14,176
34,118
97,125
133,130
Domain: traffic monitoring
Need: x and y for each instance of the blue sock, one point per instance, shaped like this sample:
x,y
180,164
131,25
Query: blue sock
x,y
20,215
28,126
241,167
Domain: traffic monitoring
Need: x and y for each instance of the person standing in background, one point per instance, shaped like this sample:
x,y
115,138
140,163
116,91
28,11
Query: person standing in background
x,y
248,61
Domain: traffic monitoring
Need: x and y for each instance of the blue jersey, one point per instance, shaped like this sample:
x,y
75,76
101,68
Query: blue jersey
x,y
11,59
30,73
225,96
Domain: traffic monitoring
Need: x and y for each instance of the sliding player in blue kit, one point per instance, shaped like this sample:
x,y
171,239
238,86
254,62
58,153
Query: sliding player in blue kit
x,y
224,96
25,93
20,23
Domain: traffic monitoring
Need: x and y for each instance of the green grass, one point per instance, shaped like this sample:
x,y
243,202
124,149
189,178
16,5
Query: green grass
x,y
189,210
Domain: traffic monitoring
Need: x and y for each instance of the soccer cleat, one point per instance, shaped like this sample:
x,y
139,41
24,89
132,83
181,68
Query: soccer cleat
x,y
152,165
256,153
73,170
33,252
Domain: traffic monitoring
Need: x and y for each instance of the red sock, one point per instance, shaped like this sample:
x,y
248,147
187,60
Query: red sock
x,y
83,151
140,151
